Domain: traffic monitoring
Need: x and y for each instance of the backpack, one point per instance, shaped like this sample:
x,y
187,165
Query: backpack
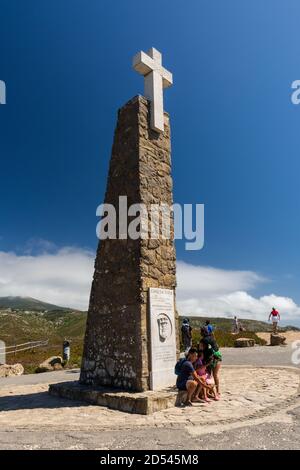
x,y
179,365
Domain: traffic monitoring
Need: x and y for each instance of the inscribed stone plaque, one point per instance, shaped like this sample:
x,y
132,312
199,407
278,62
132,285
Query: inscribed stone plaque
x,y
163,338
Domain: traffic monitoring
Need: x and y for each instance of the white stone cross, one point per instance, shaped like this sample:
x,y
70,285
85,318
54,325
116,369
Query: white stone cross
x,y
156,78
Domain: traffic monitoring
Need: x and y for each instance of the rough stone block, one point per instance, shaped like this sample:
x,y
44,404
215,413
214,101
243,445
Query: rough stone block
x,y
10,370
276,339
244,342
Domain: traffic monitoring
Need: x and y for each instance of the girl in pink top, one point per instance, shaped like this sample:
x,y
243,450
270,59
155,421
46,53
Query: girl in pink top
x,y
208,386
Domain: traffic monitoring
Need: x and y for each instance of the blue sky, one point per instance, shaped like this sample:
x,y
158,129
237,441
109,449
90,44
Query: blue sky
x,y
67,68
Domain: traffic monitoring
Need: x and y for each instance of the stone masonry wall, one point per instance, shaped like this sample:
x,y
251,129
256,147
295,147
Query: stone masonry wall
x,y
116,348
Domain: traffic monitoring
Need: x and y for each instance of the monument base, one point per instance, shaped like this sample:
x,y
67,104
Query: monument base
x,y
143,403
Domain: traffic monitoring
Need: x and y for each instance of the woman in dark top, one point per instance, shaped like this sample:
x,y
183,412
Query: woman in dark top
x,y
212,355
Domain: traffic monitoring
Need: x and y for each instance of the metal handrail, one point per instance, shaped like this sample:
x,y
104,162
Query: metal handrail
x,y
33,344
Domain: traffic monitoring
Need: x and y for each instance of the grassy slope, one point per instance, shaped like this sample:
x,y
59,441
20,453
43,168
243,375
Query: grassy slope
x,y
19,327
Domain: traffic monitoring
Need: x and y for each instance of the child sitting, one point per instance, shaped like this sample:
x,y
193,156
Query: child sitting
x,y
207,382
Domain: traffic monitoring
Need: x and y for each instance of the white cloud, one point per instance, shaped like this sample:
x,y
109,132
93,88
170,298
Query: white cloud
x,y
63,277
206,291
211,281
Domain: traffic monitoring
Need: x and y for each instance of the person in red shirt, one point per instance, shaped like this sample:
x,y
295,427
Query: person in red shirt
x,y
275,319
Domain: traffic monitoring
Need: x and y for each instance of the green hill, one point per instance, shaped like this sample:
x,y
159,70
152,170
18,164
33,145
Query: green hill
x,y
27,303
17,327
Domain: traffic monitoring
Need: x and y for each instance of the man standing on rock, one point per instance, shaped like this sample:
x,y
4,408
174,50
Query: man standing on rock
x,y
275,319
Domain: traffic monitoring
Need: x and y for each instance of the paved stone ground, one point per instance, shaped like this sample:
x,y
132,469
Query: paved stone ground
x,y
259,356
260,408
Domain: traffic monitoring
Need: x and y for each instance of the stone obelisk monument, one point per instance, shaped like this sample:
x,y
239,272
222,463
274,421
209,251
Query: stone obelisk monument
x,y
131,332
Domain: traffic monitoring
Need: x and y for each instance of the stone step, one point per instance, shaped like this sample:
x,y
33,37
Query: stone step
x,y
144,403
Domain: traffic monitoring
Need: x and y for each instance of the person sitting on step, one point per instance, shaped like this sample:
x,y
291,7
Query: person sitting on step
x,y
188,379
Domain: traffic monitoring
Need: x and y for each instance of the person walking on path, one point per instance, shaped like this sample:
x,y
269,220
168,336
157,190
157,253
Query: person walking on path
x,y
275,315
186,335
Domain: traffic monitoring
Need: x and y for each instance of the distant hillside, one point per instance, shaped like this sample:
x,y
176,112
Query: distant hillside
x,y
16,327
226,324
46,321
27,303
